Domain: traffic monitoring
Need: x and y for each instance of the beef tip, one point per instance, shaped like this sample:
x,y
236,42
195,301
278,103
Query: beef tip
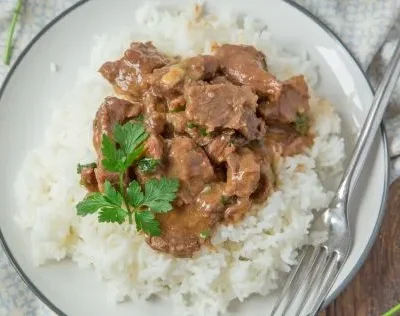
x,y
220,147
168,82
266,184
237,211
113,111
182,228
181,231
286,141
210,200
219,80
268,159
178,121
202,67
188,163
88,179
296,145
154,109
243,173
155,122
177,104
154,147
246,65
292,101
127,74
224,106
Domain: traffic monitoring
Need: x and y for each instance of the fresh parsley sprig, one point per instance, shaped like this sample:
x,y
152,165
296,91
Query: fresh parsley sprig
x,y
115,206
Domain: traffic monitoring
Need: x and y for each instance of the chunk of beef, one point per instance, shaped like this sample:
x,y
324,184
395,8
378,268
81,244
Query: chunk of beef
x,y
224,106
154,147
181,231
237,211
88,179
210,201
182,228
178,121
177,104
202,67
188,163
292,100
246,65
268,159
127,74
168,82
243,173
286,141
111,112
154,111
220,147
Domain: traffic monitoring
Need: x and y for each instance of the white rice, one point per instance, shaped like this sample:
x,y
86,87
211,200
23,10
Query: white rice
x,y
48,186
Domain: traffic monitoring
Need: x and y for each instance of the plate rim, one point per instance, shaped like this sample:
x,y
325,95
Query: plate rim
x,y
335,37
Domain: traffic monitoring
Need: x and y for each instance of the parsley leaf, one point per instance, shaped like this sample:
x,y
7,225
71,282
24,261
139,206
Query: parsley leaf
x,y
205,234
130,136
203,132
112,215
107,204
134,193
191,125
148,165
118,156
135,155
160,193
114,159
91,204
111,195
146,222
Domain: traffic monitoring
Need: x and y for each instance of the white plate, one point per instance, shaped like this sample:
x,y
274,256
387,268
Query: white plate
x,y
24,114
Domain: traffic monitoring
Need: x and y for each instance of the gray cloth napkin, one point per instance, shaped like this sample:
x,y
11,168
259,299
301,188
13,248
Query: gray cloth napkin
x,y
369,28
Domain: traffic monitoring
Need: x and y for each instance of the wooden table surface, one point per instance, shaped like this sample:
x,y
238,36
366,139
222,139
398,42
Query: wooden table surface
x,y
376,288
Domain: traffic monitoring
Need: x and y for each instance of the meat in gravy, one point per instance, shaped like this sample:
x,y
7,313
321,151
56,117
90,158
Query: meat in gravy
x,y
218,123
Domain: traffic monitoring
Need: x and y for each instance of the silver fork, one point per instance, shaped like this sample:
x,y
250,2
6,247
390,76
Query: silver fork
x,y
311,279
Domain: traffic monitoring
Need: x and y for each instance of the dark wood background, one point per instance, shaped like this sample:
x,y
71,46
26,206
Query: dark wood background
x,y
376,288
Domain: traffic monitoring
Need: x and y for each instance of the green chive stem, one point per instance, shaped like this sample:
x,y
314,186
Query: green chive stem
x,y
7,55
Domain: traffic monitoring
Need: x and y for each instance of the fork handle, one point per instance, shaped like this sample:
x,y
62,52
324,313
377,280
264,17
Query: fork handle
x,y
371,124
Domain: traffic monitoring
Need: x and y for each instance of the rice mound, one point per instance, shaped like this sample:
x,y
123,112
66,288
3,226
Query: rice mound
x,y
249,257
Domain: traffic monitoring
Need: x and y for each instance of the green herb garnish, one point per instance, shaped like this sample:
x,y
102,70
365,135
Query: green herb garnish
x,y
203,131
205,234
191,125
80,167
9,45
225,200
179,109
393,311
142,206
302,124
148,165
